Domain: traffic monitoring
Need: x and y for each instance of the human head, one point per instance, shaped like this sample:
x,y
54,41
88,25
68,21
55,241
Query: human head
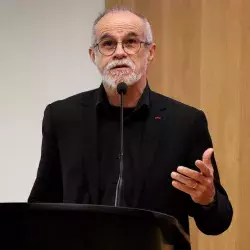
x,y
122,25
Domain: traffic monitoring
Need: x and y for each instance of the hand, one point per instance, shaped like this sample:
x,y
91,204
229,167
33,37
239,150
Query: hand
x,y
199,185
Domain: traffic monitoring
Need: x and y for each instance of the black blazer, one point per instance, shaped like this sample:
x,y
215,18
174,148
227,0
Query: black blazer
x,y
68,169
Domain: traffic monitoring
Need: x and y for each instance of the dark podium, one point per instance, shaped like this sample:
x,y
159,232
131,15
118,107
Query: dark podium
x,y
40,226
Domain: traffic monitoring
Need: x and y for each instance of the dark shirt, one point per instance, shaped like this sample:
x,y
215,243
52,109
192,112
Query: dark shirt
x,y
109,145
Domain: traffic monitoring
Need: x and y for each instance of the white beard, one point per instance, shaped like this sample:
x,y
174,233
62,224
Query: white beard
x,y
111,78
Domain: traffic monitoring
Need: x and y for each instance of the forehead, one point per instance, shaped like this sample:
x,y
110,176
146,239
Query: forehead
x,y
119,24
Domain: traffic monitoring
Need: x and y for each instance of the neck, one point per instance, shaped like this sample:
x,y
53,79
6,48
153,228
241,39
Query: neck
x,y
131,98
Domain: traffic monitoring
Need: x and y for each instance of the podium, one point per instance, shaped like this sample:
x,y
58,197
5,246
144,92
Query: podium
x,y
40,226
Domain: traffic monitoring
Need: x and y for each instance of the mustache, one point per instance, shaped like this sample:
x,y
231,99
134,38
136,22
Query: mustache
x,y
123,62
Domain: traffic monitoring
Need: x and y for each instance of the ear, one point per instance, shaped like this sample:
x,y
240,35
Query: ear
x,y
151,52
92,54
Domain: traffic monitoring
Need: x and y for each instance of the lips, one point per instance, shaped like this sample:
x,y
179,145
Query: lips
x,y
120,66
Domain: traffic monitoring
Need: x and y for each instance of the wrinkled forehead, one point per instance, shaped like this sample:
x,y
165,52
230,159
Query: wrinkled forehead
x,y
119,25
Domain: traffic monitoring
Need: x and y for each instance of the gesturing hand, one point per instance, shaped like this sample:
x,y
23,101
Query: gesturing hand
x,y
199,185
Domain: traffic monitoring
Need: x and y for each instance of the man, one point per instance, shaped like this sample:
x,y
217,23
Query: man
x,y
168,157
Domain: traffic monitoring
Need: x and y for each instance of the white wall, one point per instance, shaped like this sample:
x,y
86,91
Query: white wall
x,y
43,57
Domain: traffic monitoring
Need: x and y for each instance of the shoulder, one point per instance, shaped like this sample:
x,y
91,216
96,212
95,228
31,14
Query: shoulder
x,y
182,119
81,98
175,108
71,106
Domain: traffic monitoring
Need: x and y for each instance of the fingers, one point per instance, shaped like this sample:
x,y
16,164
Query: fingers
x,y
207,155
199,185
205,170
183,188
200,195
205,165
192,174
183,179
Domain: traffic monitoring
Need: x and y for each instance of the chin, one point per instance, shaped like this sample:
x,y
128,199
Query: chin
x,y
130,80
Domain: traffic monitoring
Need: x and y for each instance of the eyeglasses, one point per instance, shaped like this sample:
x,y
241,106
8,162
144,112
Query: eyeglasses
x,y
108,46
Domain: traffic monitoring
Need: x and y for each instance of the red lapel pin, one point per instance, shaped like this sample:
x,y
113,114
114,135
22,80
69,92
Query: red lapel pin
x,y
157,118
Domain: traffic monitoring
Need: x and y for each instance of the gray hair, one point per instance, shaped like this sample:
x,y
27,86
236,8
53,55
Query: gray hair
x,y
148,33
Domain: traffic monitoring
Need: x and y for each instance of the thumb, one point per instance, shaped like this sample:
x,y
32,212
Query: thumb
x,y
206,158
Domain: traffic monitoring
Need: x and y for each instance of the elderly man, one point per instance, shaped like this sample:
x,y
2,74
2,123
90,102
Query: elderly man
x,y
169,164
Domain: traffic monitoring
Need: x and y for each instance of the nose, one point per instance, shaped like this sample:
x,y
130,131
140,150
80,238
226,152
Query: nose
x,y
119,52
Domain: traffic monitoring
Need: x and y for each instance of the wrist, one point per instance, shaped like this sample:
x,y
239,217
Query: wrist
x,y
213,202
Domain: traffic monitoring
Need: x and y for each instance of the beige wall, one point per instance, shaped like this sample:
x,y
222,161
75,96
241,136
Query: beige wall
x,y
203,59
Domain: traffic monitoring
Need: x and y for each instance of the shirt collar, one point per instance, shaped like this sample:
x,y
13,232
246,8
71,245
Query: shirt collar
x,y
144,100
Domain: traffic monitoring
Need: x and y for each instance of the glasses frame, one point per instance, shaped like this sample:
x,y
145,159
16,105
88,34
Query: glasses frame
x,y
141,42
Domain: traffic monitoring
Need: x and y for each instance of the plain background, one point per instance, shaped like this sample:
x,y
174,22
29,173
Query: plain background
x,y
43,57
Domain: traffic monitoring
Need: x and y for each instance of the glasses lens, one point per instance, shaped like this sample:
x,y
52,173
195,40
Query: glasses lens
x,y
131,45
107,46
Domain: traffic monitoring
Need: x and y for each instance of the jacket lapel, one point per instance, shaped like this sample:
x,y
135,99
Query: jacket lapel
x,y
150,142
90,149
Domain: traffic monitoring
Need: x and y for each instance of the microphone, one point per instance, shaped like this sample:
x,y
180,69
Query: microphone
x,y
122,90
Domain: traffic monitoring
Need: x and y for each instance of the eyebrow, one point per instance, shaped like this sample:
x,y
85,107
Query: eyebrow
x,y
108,35
132,34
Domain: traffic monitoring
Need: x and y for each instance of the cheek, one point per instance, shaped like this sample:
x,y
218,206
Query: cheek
x,y
141,63
101,62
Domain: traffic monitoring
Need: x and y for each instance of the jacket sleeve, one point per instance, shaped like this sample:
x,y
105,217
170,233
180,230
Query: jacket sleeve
x,y
216,218
48,183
